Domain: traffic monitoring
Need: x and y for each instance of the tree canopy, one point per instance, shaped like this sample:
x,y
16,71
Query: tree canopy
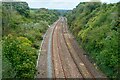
x,y
95,26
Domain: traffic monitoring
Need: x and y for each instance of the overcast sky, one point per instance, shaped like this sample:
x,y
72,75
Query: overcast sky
x,y
60,4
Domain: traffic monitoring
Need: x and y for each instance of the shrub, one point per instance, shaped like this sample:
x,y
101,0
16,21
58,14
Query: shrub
x,y
96,27
21,54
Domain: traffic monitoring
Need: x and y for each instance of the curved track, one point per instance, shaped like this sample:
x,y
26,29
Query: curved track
x,y
67,59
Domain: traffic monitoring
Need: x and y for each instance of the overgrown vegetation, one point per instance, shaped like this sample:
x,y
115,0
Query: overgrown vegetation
x,y
22,31
95,26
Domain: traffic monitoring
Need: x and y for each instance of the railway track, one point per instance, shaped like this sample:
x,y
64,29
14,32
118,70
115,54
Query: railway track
x,y
68,61
77,60
95,74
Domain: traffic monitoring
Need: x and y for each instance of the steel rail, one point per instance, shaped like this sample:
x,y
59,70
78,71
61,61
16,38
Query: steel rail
x,y
57,47
79,57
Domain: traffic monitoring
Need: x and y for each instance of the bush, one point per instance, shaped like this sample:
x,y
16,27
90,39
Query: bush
x,y
97,31
22,56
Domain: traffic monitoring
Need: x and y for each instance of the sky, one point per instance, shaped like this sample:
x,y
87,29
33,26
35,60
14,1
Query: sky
x,y
59,4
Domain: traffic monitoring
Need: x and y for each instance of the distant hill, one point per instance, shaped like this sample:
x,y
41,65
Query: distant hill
x,y
61,12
